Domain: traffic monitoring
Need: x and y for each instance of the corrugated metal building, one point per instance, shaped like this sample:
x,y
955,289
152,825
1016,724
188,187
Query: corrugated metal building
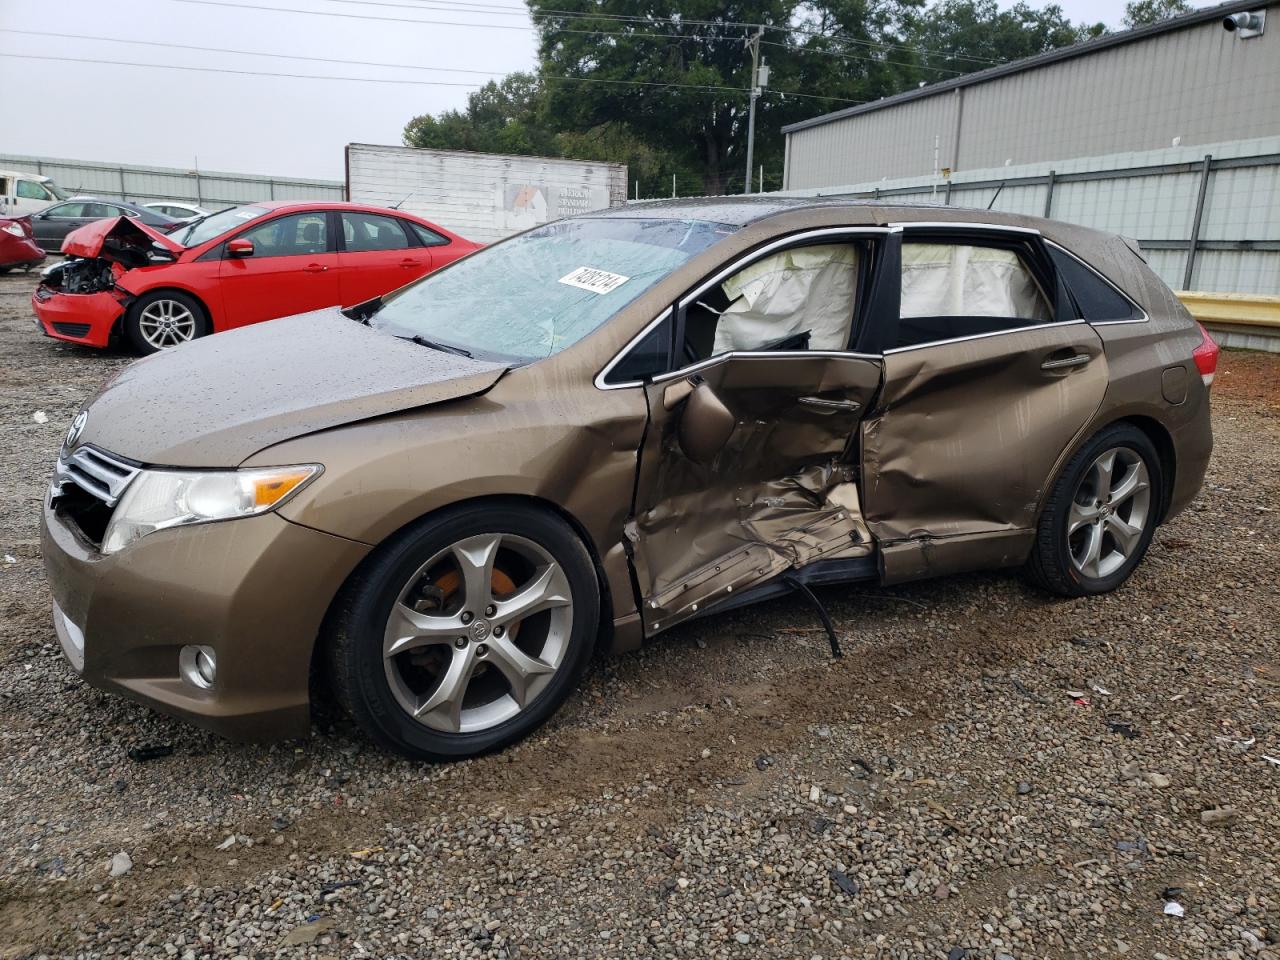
x,y
1169,134
1182,82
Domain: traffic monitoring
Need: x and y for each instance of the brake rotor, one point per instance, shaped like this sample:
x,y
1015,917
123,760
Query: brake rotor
x,y
500,585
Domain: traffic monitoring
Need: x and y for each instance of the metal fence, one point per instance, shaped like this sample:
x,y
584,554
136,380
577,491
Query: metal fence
x,y
1207,217
205,188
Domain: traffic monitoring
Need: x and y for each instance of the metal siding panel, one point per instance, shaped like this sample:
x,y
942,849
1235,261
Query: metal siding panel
x,y
1201,84
143,183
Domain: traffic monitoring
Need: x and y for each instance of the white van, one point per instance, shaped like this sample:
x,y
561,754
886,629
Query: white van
x,y
22,194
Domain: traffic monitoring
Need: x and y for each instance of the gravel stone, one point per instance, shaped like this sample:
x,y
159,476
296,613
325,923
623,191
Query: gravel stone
x,y
608,834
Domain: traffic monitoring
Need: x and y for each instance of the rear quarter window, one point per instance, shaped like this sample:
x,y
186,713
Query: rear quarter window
x,y
1097,300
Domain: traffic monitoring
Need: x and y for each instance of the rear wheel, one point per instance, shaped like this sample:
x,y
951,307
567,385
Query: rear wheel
x,y
166,318
1101,515
466,632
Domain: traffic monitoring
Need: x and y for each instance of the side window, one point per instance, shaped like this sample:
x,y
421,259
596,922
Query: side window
x,y
648,358
952,290
292,236
1096,298
797,299
100,211
30,190
67,210
428,238
368,231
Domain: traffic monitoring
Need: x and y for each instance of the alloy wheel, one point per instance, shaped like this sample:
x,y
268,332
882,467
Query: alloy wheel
x,y
1109,512
477,633
166,323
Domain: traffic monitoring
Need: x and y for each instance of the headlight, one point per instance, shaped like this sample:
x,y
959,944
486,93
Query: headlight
x,y
157,499
13,229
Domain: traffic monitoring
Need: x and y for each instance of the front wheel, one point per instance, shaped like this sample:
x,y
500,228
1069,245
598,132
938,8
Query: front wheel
x,y
465,632
166,318
1100,516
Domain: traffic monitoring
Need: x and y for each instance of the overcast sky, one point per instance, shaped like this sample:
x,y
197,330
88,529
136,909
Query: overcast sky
x,y
255,124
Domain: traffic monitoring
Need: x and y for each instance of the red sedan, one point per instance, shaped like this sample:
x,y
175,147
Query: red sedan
x,y
17,245
231,269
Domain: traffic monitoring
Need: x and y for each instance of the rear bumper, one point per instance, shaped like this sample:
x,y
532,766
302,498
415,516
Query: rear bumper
x,y
255,591
19,252
85,318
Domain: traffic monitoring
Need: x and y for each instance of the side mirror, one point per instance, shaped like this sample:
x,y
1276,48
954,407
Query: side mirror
x,y
240,247
705,425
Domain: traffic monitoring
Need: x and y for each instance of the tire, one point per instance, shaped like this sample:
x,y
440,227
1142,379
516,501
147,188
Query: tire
x,y
398,639
1115,507
145,322
4,270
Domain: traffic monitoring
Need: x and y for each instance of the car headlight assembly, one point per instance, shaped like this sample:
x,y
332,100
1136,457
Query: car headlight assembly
x,y
13,229
159,499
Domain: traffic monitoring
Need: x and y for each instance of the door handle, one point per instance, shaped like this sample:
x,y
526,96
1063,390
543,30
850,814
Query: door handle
x,y
316,268
408,264
830,405
1078,360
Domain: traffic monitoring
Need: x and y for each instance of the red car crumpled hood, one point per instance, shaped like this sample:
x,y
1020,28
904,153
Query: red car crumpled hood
x,y
91,239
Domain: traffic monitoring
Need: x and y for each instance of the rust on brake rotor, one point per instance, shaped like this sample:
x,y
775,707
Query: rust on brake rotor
x,y
500,585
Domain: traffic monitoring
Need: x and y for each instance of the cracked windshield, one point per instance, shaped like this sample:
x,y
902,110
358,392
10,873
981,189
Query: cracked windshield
x,y
542,291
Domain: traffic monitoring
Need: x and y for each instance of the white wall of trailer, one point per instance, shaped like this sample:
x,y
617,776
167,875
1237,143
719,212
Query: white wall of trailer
x,y
1152,196
481,196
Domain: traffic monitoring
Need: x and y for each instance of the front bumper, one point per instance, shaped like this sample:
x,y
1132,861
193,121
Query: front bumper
x,y
255,590
86,318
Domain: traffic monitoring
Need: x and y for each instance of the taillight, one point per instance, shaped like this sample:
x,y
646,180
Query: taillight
x,y
1206,356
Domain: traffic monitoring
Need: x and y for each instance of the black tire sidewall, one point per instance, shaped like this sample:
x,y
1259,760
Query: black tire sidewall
x,y
369,695
134,313
1120,435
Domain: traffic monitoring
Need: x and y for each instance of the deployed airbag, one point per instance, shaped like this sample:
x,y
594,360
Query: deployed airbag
x,y
805,289
944,279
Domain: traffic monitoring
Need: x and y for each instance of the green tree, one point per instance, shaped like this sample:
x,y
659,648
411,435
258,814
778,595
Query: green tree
x,y
1139,13
663,85
961,36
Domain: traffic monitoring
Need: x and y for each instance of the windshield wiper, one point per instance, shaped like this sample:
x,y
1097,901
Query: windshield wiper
x,y
422,341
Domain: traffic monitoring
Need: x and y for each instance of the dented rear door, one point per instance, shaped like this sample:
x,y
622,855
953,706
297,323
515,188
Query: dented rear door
x,y
748,469
968,432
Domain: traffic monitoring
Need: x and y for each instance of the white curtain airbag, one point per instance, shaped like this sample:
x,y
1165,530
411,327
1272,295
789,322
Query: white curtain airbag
x,y
950,280
808,288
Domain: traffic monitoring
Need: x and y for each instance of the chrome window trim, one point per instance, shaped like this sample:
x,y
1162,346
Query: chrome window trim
x,y
984,336
1134,303
736,265
963,225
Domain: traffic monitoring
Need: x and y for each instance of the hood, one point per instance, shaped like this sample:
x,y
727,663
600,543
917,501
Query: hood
x,y
119,239
219,400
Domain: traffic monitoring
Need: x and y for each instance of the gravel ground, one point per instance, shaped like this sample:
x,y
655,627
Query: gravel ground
x,y
989,772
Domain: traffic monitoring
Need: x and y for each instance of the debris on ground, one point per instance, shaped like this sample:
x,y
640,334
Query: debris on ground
x,y
153,752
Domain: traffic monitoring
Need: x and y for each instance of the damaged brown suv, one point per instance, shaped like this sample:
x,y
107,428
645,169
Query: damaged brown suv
x,y
440,502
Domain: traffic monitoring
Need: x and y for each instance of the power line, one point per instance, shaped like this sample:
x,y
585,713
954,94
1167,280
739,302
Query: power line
x,y
251,53
420,83
577,16
370,63
548,14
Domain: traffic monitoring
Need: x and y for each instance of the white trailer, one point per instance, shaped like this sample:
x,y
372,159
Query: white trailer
x,y
482,196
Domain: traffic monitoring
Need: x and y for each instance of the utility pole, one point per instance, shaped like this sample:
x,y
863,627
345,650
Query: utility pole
x,y
759,80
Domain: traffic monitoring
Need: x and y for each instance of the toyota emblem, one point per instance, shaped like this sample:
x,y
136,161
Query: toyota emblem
x,y
77,428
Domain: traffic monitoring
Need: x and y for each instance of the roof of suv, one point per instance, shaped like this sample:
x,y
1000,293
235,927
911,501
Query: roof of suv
x,y
740,211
